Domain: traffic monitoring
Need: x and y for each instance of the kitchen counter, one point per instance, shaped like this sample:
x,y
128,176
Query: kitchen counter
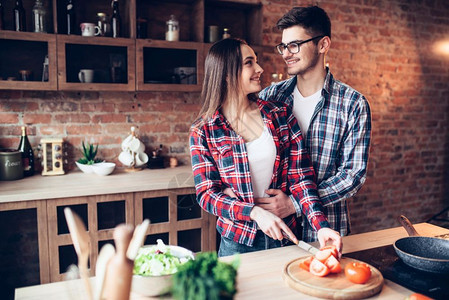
x,y
260,273
77,184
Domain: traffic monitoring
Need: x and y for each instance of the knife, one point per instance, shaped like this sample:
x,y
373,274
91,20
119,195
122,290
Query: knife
x,y
303,245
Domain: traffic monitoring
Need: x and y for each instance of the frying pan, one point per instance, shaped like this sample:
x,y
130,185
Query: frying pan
x,y
423,253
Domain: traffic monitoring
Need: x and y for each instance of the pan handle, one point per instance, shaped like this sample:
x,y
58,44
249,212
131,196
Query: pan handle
x,y
407,225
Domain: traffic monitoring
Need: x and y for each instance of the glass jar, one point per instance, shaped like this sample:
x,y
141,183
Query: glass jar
x,y
103,24
172,33
39,17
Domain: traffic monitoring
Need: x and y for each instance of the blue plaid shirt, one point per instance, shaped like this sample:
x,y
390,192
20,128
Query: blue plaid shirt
x,y
338,143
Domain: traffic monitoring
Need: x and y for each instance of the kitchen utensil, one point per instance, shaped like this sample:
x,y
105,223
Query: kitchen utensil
x,y
106,253
119,270
424,253
303,245
332,286
52,156
81,242
137,240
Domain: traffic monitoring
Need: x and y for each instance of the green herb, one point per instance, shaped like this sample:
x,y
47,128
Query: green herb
x,y
205,278
89,152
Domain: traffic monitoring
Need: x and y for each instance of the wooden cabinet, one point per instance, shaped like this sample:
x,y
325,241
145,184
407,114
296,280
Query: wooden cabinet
x,y
112,61
125,63
174,214
26,51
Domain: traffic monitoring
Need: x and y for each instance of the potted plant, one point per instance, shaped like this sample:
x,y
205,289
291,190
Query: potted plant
x,y
88,160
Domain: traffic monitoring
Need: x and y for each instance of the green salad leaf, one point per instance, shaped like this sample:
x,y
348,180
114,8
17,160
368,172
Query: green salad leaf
x,y
205,278
157,260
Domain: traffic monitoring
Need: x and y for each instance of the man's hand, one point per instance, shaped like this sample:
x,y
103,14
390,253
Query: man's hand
x,y
279,203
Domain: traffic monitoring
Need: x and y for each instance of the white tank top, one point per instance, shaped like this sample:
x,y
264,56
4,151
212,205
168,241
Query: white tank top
x,y
261,157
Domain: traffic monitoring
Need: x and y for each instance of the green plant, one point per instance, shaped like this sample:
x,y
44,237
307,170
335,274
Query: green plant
x,y
89,152
205,278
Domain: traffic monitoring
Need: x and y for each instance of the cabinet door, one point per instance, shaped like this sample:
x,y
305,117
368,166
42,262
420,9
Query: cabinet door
x,y
176,218
96,63
169,66
23,60
100,215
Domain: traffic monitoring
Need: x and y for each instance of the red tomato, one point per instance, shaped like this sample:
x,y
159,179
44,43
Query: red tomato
x,y
357,272
333,249
333,264
305,264
318,268
418,296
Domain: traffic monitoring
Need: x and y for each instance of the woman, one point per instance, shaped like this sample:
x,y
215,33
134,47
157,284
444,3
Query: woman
x,y
247,146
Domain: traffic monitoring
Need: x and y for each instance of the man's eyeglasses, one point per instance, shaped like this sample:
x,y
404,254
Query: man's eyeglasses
x,y
293,47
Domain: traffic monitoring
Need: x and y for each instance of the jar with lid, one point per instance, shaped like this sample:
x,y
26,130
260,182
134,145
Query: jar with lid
x,y
39,17
103,24
172,33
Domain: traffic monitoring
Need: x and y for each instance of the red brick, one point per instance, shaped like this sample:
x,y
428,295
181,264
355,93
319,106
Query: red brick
x,y
7,118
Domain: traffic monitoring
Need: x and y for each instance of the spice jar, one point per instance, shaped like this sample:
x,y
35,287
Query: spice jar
x,y
226,34
172,33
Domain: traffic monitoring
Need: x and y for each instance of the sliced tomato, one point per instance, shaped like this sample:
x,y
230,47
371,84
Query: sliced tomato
x,y
333,264
358,272
318,268
323,254
333,248
305,264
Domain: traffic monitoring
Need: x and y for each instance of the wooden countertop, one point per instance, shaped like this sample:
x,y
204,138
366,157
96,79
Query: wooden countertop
x,y
260,273
76,184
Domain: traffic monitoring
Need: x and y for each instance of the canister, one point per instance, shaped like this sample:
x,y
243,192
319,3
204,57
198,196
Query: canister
x,y
10,164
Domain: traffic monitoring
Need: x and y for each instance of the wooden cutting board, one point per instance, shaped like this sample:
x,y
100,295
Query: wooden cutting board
x,y
332,286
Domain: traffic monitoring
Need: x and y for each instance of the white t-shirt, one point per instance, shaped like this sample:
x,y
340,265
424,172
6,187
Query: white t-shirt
x,y
303,108
261,157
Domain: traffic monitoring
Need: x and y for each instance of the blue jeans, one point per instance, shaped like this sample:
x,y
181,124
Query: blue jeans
x,y
261,242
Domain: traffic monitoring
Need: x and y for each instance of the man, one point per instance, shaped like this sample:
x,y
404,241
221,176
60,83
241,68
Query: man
x,y
334,118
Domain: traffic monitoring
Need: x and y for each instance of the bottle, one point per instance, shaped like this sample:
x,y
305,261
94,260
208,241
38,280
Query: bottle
x,y
71,18
116,21
1,16
172,33
19,19
39,17
226,34
27,154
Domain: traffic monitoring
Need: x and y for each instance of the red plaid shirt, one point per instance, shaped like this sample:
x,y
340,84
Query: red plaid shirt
x,y
220,160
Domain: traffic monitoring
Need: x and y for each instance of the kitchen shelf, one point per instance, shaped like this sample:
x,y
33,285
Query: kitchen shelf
x,y
27,51
157,60
97,53
146,64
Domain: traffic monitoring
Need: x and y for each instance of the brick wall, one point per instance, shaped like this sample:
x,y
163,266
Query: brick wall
x,y
384,49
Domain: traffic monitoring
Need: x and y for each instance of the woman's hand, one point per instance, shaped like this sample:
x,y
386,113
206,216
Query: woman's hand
x,y
332,237
270,224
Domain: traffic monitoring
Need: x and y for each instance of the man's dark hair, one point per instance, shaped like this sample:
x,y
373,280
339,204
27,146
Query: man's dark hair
x,y
312,18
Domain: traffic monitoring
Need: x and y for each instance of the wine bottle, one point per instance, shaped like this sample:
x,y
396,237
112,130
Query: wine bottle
x,y
71,17
27,154
116,21
19,19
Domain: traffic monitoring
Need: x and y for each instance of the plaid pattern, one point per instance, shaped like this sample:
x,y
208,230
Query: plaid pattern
x,y
220,160
338,141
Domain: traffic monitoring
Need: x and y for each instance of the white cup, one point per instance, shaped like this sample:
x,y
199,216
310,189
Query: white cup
x,y
89,29
141,159
126,158
86,75
135,145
